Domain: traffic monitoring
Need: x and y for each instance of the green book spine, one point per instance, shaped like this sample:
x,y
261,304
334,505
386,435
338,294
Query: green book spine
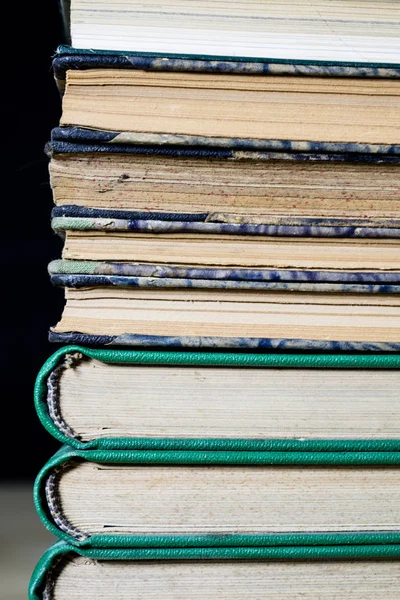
x,y
48,379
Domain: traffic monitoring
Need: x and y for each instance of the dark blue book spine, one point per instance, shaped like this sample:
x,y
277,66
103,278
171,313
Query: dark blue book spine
x,y
243,343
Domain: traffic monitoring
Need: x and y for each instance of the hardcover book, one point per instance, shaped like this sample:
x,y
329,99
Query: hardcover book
x,y
67,58
273,110
229,318
145,400
345,31
268,104
153,498
118,240
343,572
311,193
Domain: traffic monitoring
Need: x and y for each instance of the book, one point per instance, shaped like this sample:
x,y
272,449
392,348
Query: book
x,y
220,401
154,498
356,572
153,106
318,30
229,186
222,245
67,58
212,318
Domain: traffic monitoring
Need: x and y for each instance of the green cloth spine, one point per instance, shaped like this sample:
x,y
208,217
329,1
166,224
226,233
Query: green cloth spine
x,y
227,359
67,454
350,552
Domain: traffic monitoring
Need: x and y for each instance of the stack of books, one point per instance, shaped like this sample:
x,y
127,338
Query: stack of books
x,y
226,180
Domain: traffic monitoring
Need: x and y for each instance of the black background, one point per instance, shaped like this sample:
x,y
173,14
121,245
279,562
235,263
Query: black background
x,y
30,107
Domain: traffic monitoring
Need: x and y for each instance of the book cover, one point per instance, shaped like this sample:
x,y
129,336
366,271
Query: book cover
x,y
72,139
67,58
68,268
135,340
219,224
367,568
366,383
71,280
179,498
290,124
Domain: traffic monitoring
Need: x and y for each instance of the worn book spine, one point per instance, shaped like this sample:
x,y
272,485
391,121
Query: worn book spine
x,y
103,268
67,140
120,141
135,340
80,281
85,217
76,58
217,226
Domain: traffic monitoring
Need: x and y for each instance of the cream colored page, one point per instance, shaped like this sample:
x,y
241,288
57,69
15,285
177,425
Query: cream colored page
x,y
234,251
84,579
110,312
151,499
239,186
346,30
100,400
355,111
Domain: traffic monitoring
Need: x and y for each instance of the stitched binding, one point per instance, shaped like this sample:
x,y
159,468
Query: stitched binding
x,y
47,591
49,587
70,361
56,567
51,491
50,580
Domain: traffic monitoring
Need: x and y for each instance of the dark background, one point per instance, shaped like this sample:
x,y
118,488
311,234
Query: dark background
x,y
30,107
